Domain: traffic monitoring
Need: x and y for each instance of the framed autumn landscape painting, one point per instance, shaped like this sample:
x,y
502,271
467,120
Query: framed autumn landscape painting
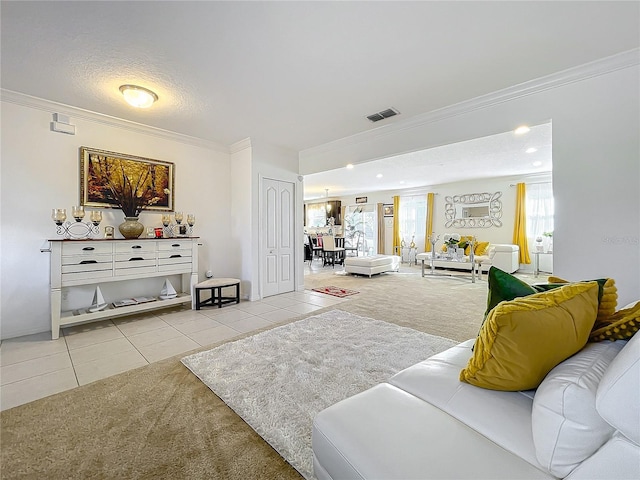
x,y
116,180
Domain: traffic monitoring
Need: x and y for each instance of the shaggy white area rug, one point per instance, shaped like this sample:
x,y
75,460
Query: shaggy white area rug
x,y
278,380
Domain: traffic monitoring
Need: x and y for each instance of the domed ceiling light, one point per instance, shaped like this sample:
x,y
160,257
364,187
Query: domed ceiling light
x,y
138,97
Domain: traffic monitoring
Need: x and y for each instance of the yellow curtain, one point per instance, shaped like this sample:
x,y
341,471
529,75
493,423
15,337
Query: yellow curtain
x,y
380,228
520,227
427,242
396,224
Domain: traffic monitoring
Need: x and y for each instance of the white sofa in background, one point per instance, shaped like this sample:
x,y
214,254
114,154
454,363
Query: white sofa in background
x,y
583,422
506,257
503,256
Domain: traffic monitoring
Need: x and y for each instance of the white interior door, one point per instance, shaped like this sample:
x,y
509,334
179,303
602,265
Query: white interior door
x,y
278,240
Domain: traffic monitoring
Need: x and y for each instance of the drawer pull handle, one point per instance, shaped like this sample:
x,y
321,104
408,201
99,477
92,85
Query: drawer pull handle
x,y
177,255
136,246
88,248
84,262
175,245
132,259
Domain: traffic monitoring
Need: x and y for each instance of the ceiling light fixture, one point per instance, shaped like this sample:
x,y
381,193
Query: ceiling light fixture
x,y
350,166
327,204
138,97
521,130
531,150
379,175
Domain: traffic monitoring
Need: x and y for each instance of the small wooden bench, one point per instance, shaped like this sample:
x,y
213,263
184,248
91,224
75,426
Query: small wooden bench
x,y
216,285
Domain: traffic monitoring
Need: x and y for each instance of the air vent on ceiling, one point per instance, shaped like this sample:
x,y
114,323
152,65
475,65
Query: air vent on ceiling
x,y
389,112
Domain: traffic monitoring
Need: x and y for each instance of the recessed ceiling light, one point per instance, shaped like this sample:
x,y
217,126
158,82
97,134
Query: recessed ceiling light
x,y
537,163
401,182
350,166
138,97
379,175
521,130
531,150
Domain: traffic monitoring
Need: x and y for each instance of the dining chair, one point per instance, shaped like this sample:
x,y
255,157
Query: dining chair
x,y
331,253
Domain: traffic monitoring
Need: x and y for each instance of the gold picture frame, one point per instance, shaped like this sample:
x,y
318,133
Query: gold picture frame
x,y
159,178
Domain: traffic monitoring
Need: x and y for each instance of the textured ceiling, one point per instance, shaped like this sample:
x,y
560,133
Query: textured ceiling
x,y
499,155
296,74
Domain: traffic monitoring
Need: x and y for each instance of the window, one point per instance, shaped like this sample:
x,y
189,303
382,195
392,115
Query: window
x,y
316,214
539,210
413,219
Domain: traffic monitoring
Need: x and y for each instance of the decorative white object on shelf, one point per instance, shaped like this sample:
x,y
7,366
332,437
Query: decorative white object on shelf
x,y
168,291
178,229
78,229
98,302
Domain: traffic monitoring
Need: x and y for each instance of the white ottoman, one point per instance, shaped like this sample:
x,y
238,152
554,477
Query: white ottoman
x,y
372,265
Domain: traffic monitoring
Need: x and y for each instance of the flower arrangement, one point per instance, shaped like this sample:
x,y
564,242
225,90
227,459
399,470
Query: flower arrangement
x,y
132,189
451,239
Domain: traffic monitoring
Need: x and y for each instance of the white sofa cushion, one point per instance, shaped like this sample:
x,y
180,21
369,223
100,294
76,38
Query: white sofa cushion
x,y
618,395
618,459
566,427
436,380
386,433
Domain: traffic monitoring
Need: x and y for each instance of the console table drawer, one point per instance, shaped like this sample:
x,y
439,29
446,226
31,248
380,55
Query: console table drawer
x,y
175,268
134,257
174,245
174,260
135,247
184,254
88,260
85,248
136,269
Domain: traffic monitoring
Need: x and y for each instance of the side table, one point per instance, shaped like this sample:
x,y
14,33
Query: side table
x,y
536,266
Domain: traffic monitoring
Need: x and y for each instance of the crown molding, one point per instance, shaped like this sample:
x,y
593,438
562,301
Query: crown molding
x,y
18,98
240,145
596,68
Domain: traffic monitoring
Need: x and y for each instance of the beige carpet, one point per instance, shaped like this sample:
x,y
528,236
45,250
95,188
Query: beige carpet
x,y
160,421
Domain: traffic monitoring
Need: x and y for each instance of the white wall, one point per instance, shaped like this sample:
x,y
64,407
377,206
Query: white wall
x,y
40,171
596,164
271,161
241,233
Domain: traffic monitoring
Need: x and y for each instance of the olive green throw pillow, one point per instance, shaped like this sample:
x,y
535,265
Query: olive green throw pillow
x,y
523,339
504,286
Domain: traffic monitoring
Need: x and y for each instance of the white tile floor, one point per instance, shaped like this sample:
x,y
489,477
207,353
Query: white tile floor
x,y
34,366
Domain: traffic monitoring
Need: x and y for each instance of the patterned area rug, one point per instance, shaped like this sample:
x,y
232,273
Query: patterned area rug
x,y
335,291
278,380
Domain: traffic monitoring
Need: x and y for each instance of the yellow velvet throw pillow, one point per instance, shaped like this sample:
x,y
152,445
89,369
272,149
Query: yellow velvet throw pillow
x,y
481,248
523,339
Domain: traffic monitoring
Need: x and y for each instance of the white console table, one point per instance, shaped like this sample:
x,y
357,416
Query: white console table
x,y
92,262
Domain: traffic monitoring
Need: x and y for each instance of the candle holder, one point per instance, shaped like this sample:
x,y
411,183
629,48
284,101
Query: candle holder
x,y
77,230
178,229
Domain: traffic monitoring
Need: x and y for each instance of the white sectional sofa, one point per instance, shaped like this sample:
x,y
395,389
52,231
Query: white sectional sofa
x,y
583,422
